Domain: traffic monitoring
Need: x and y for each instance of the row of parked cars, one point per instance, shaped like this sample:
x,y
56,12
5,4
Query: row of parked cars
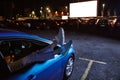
x,y
101,22
67,24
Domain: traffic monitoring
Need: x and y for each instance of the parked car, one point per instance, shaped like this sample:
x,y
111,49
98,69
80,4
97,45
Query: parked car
x,y
117,23
2,24
103,22
92,22
30,57
37,23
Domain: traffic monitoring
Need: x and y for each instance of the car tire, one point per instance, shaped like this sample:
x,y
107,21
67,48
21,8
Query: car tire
x,y
69,68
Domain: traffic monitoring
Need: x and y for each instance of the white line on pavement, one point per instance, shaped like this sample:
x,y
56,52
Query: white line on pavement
x,y
89,66
100,62
87,70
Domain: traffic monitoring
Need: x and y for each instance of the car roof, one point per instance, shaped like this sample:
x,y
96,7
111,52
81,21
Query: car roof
x,y
6,34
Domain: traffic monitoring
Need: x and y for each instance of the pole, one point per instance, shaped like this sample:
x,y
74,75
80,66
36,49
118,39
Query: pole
x,y
103,6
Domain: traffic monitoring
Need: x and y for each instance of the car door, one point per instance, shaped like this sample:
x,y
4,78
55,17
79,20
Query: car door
x,y
50,69
30,60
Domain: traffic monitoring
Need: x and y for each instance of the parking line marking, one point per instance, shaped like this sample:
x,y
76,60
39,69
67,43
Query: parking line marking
x,y
87,70
84,76
100,62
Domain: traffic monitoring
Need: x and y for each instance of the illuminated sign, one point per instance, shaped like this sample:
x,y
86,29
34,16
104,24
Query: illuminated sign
x,y
64,17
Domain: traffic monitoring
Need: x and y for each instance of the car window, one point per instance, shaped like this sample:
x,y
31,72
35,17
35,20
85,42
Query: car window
x,y
20,53
14,50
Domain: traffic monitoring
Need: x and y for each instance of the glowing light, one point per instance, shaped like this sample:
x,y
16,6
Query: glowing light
x,y
66,7
64,17
49,11
67,13
41,8
56,13
103,5
62,13
83,9
40,11
33,12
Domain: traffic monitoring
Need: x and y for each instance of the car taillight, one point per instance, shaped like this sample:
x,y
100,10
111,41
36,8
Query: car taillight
x,y
62,23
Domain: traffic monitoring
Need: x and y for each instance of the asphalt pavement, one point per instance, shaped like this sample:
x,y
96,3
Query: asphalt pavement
x,y
97,57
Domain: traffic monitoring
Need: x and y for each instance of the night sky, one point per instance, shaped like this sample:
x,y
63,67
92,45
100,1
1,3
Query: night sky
x,y
56,4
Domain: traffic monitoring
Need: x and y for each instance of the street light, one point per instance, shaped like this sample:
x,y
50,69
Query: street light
x,y
62,13
41,11
66,7
33,12
103,6
48,12
41,8
66,10
47,9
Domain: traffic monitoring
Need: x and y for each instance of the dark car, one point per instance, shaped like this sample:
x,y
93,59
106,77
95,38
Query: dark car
x,y
117,23
102,22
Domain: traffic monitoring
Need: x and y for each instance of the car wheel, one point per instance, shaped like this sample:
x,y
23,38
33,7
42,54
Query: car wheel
x,y
69,68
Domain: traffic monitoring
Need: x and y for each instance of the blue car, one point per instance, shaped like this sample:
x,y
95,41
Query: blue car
x,y
29,57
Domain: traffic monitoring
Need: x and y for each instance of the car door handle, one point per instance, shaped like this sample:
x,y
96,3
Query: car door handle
x,y
31,77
